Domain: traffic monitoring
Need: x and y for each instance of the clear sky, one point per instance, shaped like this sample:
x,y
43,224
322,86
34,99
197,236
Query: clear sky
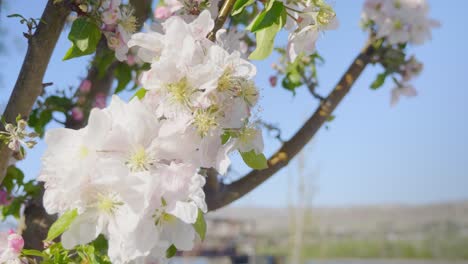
x,y
416,152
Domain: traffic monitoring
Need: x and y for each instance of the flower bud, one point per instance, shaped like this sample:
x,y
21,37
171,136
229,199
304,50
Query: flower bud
x,y
85,86
77,114
162,12
273,81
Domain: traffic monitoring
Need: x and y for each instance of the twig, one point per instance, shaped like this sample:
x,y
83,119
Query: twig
x,y
224,12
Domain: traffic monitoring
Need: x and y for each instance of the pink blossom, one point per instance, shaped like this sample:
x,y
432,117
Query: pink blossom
x,y
4,197
77,113
131,60
273,80
15,242
85,86
162,12
100,101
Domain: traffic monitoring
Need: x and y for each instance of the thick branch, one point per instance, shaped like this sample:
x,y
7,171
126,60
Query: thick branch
x,y
29,83
237,189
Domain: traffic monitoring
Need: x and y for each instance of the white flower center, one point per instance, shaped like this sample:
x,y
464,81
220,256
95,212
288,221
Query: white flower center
x,y
205,120
247,135
83,152
108,203
181,92
139,160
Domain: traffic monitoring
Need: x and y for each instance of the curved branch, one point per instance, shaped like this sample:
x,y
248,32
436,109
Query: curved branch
x,y
239,188
29,83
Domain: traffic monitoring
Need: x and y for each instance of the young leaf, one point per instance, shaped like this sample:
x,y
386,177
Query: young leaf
x,y
379,81
266,35
240,5
62,224
171,251
200,225
84,35
33,252
268,17
225,137
254,160
140,93
123,73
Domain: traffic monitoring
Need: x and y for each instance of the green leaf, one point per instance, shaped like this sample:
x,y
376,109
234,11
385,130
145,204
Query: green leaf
x,y
268,17
379,81
58,103
200,225
266,35
14,208
62,224
171,251
33,252
254,160
14,177
240,5
140,93
225,137
85,36
123,73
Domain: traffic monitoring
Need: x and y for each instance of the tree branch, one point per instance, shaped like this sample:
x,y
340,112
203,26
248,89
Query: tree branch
x,y
29,83
224,13
239,188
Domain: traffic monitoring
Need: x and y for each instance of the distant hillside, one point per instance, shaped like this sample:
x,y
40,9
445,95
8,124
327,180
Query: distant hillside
x,y
357,218
391,231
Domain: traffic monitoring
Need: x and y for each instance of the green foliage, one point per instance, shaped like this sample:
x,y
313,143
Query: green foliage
x,y
85,36
265,26
123,73
42,114
379,81
62,224
171,251
254,160
140,93
240,5
225,137
18,190
200,225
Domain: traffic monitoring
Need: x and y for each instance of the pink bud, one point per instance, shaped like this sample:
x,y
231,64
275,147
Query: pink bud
x,y
4,198
273,80
162,12
131,60
85,86
100,101
77,113
15,243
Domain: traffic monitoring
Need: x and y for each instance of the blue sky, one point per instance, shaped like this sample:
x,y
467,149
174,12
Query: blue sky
x,y
416,152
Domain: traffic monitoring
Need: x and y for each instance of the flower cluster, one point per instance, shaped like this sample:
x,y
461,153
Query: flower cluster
x,y
11,245
133,173
306,19
408,71
119,24
399,21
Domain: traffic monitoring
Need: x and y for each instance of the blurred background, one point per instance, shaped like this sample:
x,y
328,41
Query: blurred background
x,y
378,182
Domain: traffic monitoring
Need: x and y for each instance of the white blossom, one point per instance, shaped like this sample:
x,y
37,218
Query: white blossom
x,y
400,21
